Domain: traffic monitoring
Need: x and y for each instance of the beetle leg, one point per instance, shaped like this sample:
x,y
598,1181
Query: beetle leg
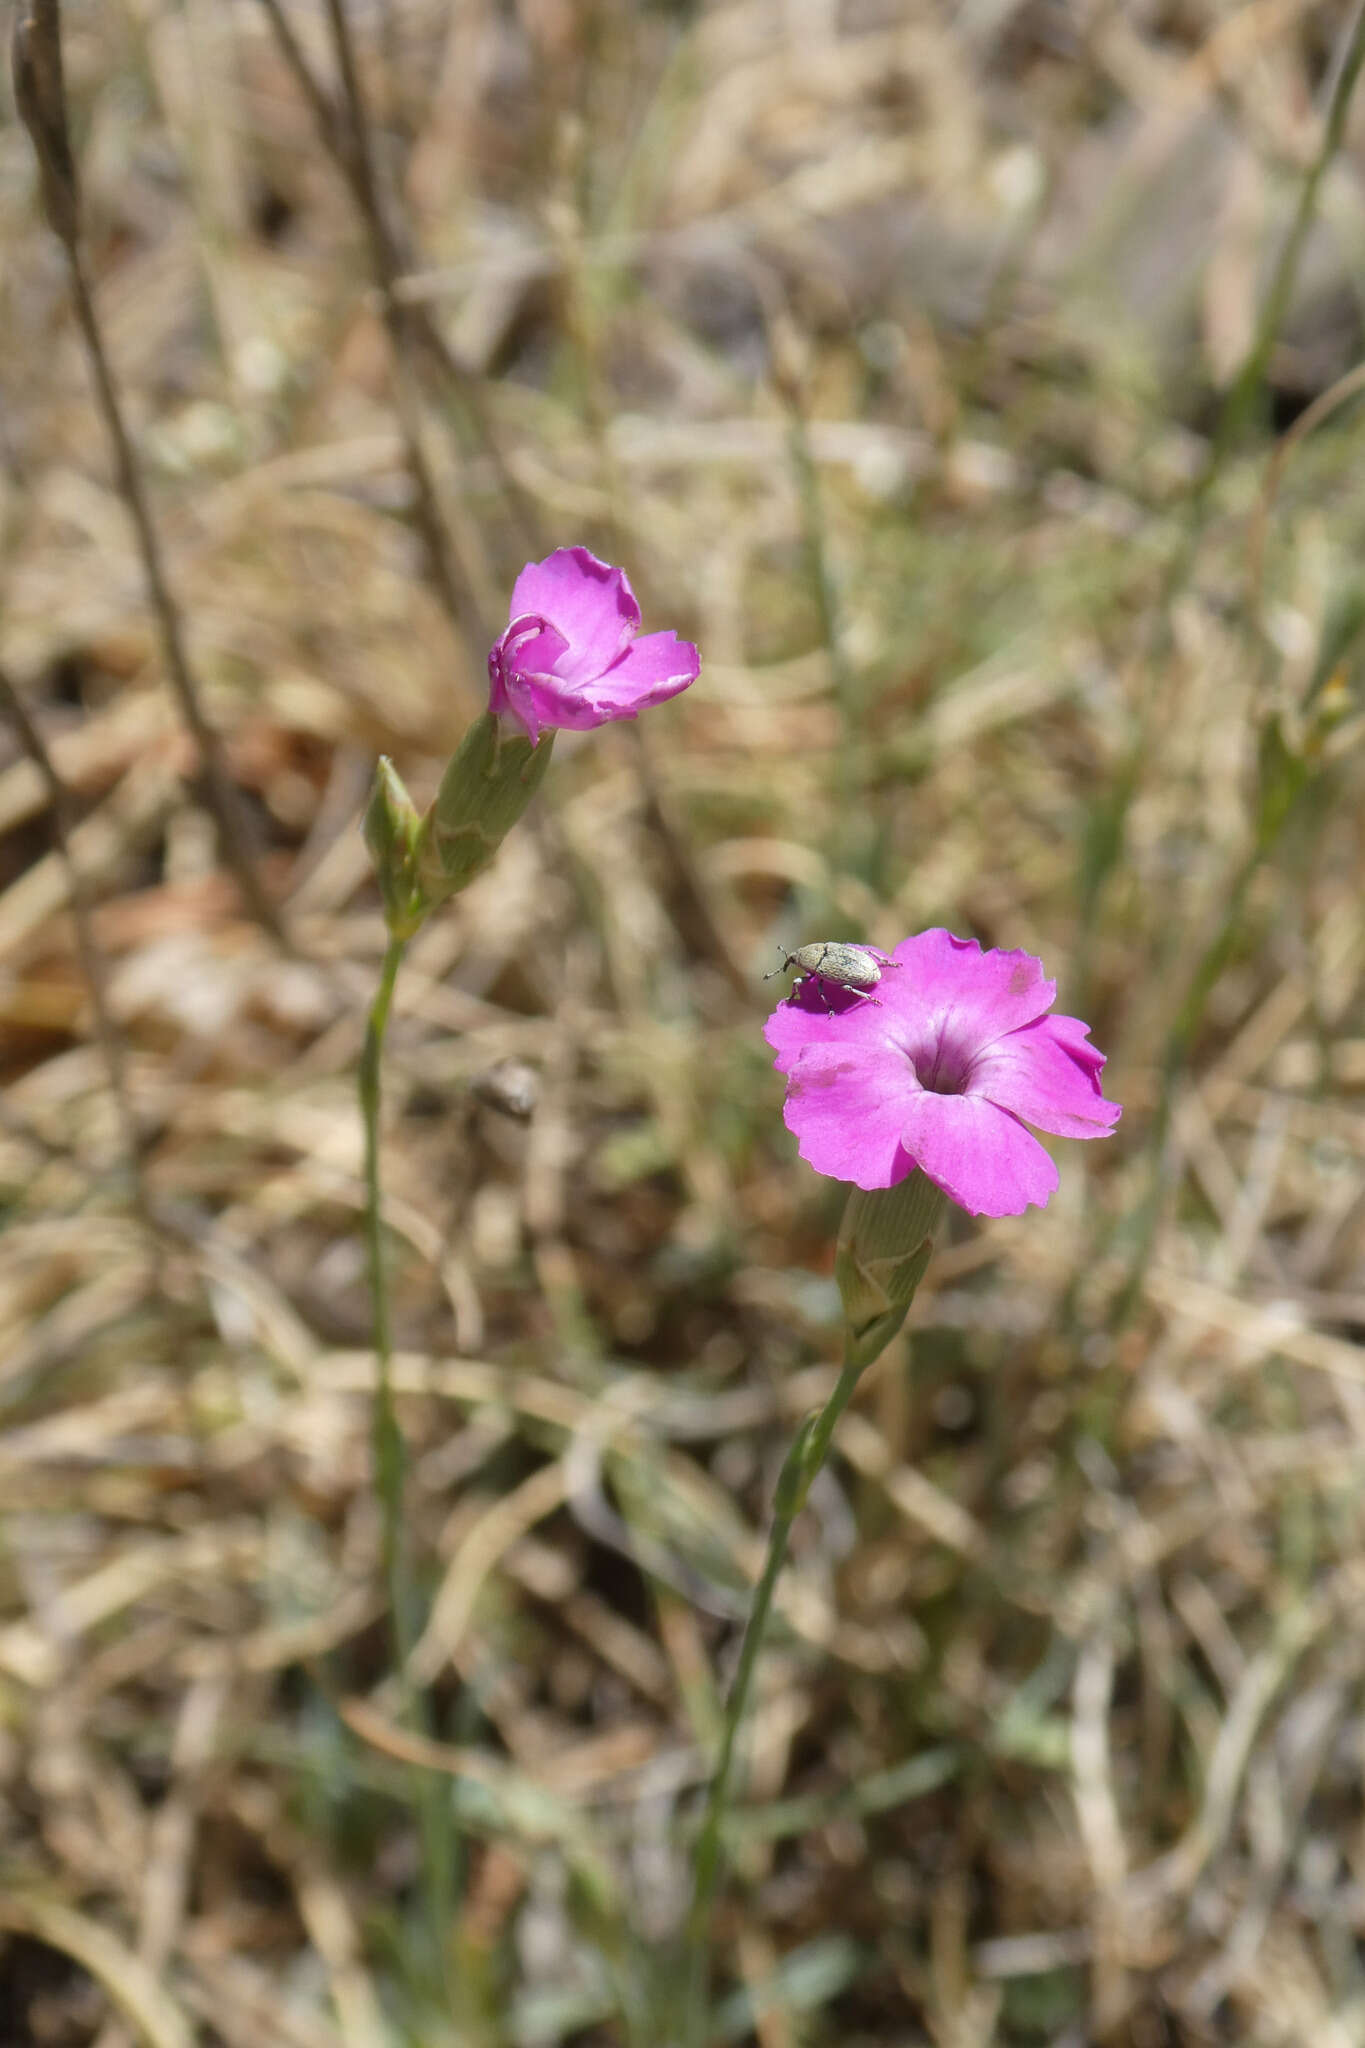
x,y
823,993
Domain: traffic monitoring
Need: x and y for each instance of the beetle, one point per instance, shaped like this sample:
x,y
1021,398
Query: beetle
x,y
855,968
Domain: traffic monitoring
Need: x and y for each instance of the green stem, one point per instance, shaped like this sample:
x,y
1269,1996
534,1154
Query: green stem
x,y
431,1799
1241,399
799,1471
386,1437
1106,835
822,1426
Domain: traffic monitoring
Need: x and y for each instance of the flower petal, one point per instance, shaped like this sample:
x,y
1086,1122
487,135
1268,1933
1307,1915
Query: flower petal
x,y
591,604
532,646
534,702
1048,1074
846,1107
948,988
1075,1036
651,669
981,1157
823,1014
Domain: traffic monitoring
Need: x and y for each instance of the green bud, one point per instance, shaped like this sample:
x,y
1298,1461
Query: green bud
x,y
491,779
885,1242
392,824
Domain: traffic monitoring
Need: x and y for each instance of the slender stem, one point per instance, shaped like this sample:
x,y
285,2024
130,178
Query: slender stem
x,y
1237,410
432,1793
707,1864
221,791
1241,399
345,134
358,162
823,1425
87,945
1107,834
386,1437
799,1471
40,99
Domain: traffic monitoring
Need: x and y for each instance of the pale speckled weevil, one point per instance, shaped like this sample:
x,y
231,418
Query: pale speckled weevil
x,y
855,968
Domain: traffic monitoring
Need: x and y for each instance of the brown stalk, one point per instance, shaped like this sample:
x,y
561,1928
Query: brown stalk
x,y
87,946
346,137
359,163
41,100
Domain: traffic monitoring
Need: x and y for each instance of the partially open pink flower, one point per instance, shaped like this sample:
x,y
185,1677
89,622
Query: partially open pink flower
x,y
941,1072
570,657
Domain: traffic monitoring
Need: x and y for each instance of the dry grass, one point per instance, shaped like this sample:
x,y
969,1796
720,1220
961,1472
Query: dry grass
x,y
884,344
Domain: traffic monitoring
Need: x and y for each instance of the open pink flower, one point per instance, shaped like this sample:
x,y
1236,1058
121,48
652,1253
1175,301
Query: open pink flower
x,y
570,656
941,1072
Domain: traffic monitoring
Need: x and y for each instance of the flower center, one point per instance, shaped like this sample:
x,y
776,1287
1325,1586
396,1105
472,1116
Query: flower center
x,y
941,1066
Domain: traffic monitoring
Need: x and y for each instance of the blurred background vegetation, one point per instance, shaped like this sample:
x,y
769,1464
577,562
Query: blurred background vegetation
x,y
974,384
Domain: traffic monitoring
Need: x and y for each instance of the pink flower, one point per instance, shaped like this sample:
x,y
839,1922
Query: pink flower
x,y
570,657
941,1072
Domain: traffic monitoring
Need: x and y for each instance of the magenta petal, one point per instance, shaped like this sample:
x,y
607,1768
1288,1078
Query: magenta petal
x,y
547,701
650,670
846,1106
795,1025
532,646
1075,1036
508,693
1049,1076
590,602
939,1071
950,986
509,698
980,1156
